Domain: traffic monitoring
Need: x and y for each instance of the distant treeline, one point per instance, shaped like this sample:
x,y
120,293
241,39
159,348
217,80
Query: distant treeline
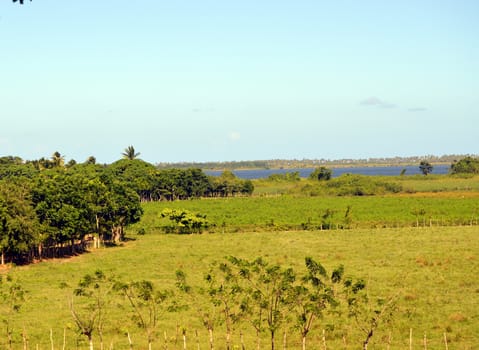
x,y
312,163
49,208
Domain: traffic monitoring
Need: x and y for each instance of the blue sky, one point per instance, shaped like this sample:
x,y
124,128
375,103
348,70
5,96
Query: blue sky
x,y
220,80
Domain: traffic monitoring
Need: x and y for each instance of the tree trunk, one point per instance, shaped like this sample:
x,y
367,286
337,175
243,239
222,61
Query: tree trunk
x,y
3,258
272,340
90,341
210,331
228,340
304,342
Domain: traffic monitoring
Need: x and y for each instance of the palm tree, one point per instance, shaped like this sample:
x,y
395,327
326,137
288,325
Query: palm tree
x,y
129,153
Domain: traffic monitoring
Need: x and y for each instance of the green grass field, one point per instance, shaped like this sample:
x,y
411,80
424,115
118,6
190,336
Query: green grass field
x,y
435,269
292,212
421,243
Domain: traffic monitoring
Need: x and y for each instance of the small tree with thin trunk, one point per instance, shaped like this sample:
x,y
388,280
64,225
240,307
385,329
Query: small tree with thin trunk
x,y
313,296
265,289
12,296
95,290
224,293
146,303
368,313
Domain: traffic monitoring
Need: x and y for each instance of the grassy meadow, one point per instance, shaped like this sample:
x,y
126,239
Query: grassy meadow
x,y
432,268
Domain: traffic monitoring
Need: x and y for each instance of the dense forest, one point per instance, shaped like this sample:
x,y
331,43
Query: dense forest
x,y
50,208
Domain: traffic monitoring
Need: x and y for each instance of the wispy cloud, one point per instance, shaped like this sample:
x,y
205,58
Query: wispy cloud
x,y
376,102
234,136
417,109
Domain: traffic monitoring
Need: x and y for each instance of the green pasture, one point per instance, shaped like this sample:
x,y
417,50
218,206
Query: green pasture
x,y
292,212
434,270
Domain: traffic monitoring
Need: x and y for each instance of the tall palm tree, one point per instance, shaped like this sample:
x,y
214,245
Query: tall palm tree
x,y
130,153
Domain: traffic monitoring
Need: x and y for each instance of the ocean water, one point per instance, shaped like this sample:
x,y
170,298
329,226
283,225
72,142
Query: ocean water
x,y
305,172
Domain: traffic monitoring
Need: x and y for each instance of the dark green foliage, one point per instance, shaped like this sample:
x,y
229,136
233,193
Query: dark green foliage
x,y
321,174
227,185
360,185
130,153
425,167
289,177
18,223
467,165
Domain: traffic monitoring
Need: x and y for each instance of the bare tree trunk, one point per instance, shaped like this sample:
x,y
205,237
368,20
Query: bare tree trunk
x,y
197,340
25,339
210,331
228,340
3,258
129,340
304,342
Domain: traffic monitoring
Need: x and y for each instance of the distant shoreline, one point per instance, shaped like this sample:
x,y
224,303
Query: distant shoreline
x,y
314,163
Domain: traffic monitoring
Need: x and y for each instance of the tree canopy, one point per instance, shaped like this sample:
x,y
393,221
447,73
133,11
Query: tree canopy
x,y
49,207
467,165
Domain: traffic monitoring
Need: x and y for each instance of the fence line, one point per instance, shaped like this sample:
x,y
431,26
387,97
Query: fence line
x,y
210,341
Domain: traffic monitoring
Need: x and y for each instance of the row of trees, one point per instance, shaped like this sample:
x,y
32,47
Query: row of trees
x,y
55,211
49,206
234,293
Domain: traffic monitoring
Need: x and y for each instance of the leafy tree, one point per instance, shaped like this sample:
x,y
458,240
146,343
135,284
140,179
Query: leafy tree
x,y
186,221
94,290
11,160
313,296
425,167
368,313
62,208
467,165
12,296
266,288
21,1
224,292
90,160
146,304
129,153
18,223
321,174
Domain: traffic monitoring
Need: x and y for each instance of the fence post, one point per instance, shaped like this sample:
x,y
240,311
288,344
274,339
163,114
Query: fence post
x,y
410,339
51,338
